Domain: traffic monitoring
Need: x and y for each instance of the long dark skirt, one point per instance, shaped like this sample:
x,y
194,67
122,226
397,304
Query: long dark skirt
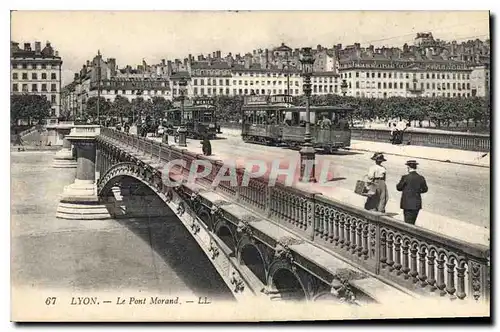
x,y
378,201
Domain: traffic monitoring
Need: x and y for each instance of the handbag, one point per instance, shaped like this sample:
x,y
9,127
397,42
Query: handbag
x,y
364,188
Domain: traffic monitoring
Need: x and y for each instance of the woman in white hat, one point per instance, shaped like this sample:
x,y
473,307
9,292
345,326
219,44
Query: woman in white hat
x,y
376,177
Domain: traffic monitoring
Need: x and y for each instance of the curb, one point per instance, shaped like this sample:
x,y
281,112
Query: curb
x,y
443,161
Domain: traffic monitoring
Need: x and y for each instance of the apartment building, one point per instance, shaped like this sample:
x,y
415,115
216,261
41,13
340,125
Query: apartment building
x,y
36,71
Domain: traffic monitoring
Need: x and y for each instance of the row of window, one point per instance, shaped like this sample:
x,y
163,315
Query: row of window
x,y
241,82
268,74
34,76
133,92
407,75
53,98
226,91
36,66
439,86
34,87
325,88
402,94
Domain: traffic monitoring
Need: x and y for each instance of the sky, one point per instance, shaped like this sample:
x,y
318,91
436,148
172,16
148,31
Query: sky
x,y
130,36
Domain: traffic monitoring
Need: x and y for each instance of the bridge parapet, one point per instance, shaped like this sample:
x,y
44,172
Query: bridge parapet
x,y
403,255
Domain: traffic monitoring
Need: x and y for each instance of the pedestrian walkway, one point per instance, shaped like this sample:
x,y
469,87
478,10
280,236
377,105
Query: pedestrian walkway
x,y
458,229
470,158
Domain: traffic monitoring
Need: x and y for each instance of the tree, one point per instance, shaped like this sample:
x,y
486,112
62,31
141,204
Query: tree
x,y
29,107
141,107
159,106
121,107
91,107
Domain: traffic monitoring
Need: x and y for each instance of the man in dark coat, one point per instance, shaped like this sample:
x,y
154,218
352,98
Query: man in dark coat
x,y
412,186
206,146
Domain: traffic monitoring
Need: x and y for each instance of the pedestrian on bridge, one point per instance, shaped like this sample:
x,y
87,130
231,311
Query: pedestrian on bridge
x,y
412,185
376,178
206,146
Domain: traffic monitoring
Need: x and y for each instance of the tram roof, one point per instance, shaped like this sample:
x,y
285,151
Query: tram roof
x,y
293,108
193,108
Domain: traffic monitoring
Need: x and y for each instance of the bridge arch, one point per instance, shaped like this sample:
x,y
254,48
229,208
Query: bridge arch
x,y
250,255
116,173
225,233
283,278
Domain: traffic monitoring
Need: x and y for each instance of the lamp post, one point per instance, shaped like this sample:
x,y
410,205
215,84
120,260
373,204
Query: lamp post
x,y
182,82
307,153
98,84
343,87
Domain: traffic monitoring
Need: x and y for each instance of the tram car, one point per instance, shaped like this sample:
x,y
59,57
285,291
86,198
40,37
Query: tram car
x,y
199,118
273,120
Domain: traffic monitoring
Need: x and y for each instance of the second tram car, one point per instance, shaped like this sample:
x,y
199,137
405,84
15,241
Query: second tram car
x,y
273,120
199,118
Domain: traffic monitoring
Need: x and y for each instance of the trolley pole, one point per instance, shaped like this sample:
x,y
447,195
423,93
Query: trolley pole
x,y
307,153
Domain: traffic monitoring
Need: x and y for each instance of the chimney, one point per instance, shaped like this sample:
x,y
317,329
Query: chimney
x,y
169,67
38,47
75,76
112,65
218,54
88,63
27,46
369,50
185,62
213,55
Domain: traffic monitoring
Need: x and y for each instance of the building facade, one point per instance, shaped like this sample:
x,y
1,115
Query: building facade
x,y
480,80
37,71
429,68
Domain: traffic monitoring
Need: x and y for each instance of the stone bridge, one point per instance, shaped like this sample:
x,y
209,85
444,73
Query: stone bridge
x,y
272,242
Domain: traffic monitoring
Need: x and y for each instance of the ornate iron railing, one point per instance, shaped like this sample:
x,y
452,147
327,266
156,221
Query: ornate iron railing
x,y
409,256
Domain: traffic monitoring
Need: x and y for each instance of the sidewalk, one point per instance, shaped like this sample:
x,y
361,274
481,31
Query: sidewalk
x,y
469,158
441,224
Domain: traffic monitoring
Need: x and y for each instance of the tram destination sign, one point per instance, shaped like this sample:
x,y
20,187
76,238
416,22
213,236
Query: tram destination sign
x,y
280,99
265,100
256,100
203,101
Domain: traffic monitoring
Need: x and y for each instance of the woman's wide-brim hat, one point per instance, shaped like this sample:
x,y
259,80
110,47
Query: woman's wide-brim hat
x,y
378,156
411,163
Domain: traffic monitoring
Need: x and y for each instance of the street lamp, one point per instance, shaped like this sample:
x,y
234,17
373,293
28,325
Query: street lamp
x,y
343,87
182,82
307,153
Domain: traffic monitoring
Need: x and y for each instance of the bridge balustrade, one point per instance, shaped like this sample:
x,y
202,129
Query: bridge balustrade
x,y
462,141
402,254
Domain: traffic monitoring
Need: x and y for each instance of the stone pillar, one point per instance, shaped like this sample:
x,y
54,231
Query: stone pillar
x,y
79,200
86,161
66,144
64,158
